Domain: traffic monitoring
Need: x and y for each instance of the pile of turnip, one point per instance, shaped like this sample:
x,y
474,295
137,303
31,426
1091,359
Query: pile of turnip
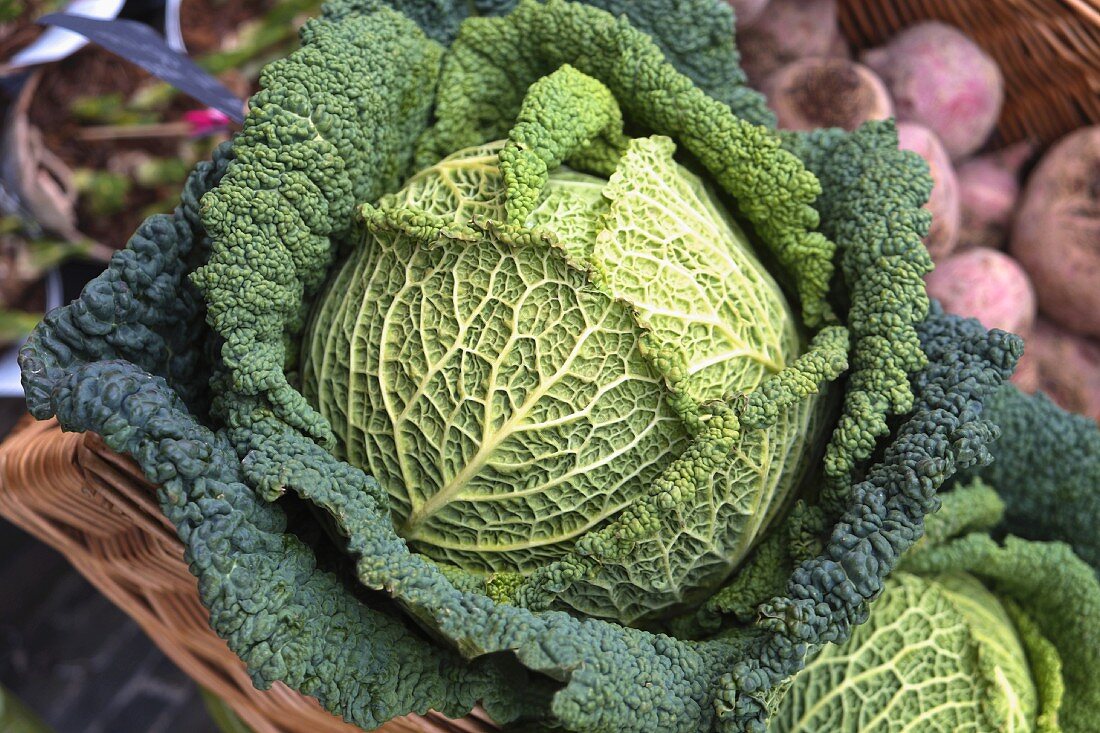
x,y
1017,252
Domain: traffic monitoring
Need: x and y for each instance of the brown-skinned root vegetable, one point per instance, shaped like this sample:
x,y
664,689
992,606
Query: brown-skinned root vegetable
x,y
1068,367
818,92
788,30
746,11
943,80
1056,233
944,201
989,189
988,285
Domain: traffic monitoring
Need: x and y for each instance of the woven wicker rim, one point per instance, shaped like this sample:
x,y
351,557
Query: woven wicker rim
x,y
99,511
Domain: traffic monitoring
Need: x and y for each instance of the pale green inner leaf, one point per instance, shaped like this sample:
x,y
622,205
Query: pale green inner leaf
x,y
513,396
938,655
664,245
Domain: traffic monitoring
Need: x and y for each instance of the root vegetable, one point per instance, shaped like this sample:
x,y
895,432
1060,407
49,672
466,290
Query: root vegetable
x,y
943,80
747,11
1068,368
1056,234
818,92
786,31
944,201
989,189
987,285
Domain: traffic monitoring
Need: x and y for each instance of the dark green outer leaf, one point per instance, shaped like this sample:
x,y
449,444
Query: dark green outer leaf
x,y
1047,467
872,194
697,37
285,618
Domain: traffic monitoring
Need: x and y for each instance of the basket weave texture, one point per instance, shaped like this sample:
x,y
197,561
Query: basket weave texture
x,y
99,510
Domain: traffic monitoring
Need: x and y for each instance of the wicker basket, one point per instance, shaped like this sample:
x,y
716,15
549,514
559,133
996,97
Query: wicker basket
x,y
99,511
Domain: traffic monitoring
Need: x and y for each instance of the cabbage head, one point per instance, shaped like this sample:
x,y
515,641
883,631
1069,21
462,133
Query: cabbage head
x,y
526,395
939,654
971,634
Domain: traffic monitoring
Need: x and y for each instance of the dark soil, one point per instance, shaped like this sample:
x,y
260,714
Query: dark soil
x,y
208,26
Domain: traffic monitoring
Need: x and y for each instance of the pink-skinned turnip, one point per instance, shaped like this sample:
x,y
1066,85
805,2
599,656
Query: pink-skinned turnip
x,y
788,30
746,11
988,285
1068,367
944,201
943,80
989,189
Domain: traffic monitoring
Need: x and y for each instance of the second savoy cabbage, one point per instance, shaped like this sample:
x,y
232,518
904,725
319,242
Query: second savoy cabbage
x,y
970,634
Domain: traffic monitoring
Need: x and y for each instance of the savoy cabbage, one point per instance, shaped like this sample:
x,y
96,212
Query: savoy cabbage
x,y
617,404
969,634
524,399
